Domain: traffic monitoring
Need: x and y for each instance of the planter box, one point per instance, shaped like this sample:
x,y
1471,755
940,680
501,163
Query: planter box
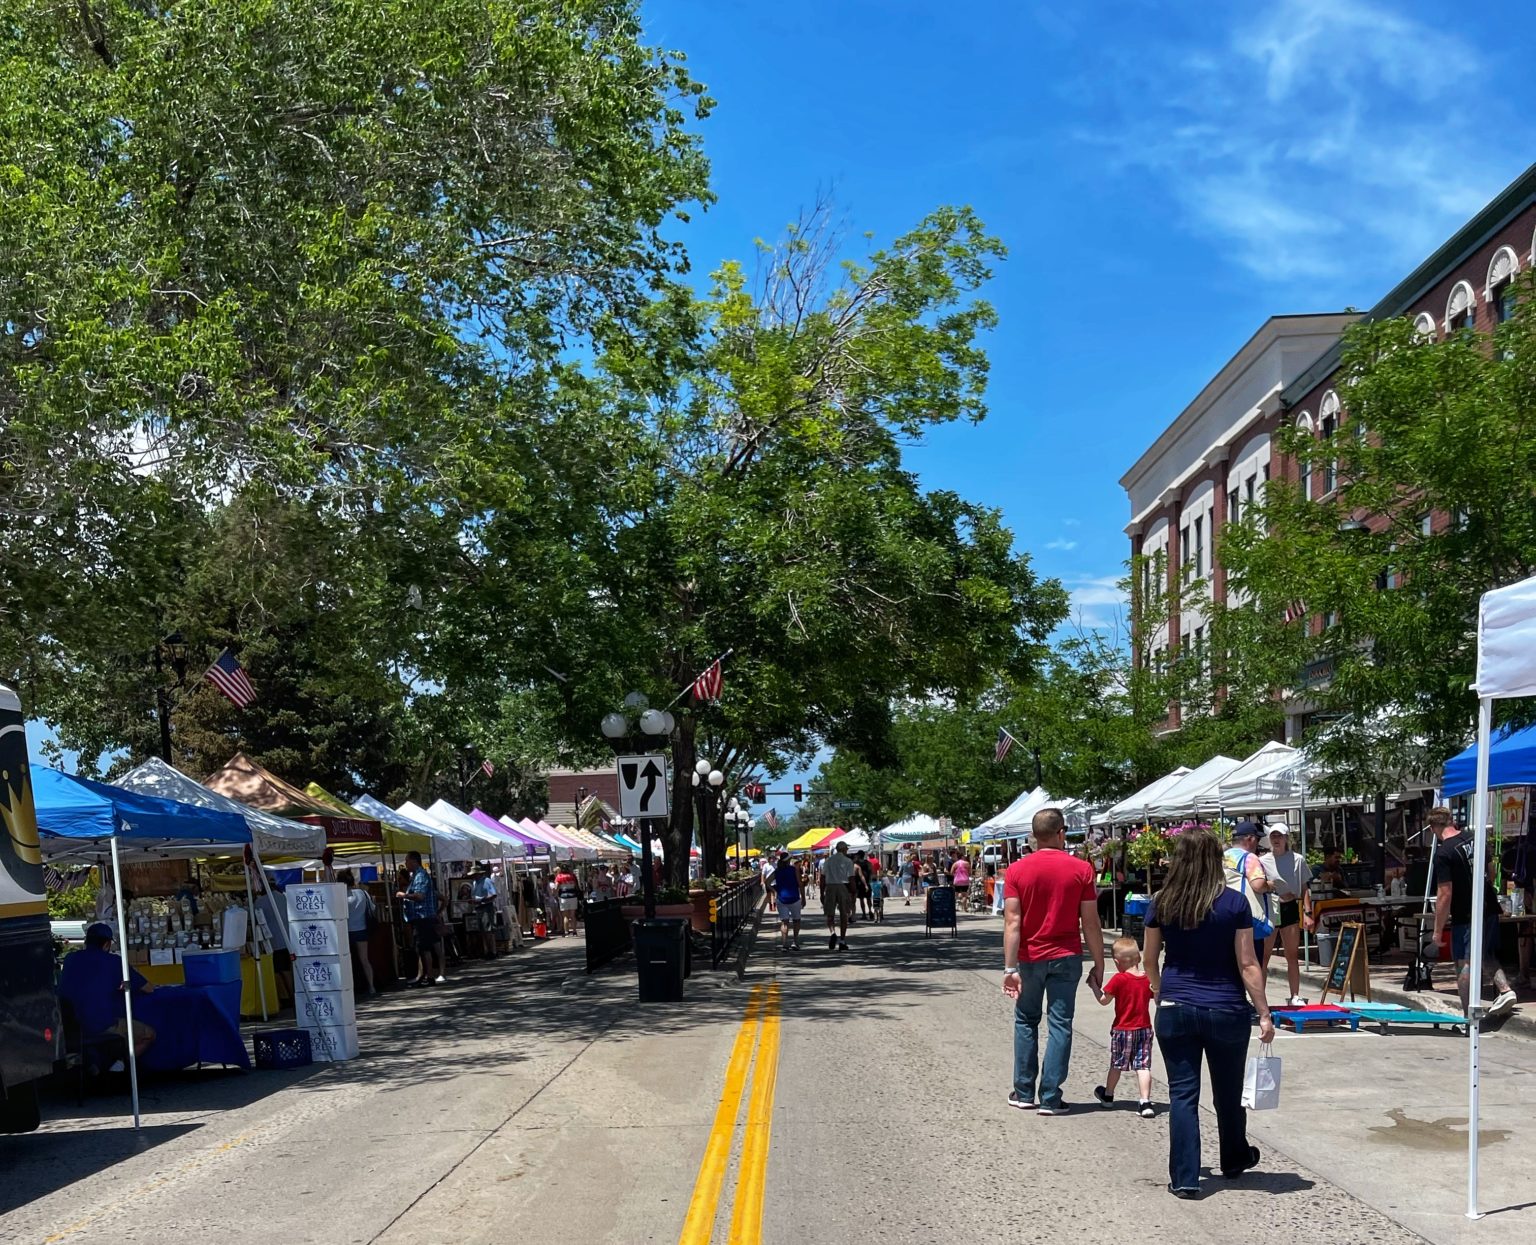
x,y
636,911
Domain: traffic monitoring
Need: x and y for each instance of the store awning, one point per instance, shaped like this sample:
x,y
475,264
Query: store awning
x,y
77,817
245,779
274,837
829,840
808,840
913,829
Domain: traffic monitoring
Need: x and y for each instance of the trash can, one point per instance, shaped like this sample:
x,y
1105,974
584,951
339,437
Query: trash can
x,y
661,954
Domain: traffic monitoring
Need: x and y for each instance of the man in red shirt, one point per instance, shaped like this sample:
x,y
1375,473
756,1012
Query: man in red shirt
x,y
1048,897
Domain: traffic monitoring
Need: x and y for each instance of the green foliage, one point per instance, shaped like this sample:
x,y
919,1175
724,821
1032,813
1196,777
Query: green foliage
x,y
78,904
1449,429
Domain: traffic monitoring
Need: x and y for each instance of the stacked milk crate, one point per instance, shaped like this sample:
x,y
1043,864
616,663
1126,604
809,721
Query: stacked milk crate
x,y
322,969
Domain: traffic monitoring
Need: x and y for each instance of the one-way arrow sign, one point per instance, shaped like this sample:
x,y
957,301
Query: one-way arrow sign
x,y
643,786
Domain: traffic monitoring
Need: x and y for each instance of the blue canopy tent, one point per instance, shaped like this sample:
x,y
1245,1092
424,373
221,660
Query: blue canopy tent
x,y
78,817
1511,763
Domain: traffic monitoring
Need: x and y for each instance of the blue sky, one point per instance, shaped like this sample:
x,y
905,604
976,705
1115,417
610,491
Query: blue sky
x,y
1165,175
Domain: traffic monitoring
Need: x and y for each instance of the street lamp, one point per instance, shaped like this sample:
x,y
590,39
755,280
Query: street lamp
x,y
619,730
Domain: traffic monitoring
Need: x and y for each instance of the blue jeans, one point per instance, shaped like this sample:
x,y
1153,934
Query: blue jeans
x,y
1044,984
1184,1033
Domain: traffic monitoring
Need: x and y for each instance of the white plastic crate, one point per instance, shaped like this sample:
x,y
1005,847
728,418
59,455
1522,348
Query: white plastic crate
x,y
317,901
332,1043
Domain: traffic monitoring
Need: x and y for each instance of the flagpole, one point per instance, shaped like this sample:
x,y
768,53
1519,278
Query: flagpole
x,y
718,661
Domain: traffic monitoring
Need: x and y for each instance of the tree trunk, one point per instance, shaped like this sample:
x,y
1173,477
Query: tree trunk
x,y
678,835
712,838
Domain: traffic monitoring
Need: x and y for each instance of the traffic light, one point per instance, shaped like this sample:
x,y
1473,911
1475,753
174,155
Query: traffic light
x,y
757,793
798,793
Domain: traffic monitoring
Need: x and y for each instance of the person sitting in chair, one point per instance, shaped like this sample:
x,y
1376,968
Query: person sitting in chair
x,y
91,982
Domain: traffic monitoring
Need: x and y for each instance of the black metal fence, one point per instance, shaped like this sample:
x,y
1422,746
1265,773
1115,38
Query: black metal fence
x,y
729,910
607,932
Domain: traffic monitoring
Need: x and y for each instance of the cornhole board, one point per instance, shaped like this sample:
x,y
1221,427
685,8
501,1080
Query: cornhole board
x,y
1298,1018
1384,1014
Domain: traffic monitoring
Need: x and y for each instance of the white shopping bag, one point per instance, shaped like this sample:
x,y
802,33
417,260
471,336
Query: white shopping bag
x,y
1261,1080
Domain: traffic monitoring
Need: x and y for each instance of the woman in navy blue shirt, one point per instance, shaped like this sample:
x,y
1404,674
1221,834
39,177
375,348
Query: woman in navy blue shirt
x,y
1203,991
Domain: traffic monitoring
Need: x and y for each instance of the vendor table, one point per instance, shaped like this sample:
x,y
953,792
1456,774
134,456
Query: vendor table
x,y
193,1025
250,1001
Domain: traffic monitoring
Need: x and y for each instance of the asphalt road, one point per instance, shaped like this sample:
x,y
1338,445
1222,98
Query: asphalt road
x,y
862,1097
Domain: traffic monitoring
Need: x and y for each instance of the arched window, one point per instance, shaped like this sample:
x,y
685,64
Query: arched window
x,y
1460,308
1327,426
1304,422
1500,290
1424,327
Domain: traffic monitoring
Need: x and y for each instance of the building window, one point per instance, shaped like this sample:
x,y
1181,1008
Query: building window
x,y
1233,513
1330,464
1426,524
1460,309
1330,620
1184,552
1304,466
1424,327
1504,302
1199,546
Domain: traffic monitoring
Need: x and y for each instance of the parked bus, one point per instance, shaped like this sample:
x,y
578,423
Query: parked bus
x,y
29,1009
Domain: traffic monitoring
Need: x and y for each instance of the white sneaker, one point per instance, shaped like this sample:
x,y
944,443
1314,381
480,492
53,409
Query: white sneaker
x,y
1296,1001
1502,1003
441,981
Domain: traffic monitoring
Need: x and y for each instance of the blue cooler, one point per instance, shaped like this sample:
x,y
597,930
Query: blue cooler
x,y
1136,905
211,968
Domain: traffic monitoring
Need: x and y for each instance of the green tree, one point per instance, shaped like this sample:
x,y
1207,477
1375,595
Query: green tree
x,y
322,255
1433,507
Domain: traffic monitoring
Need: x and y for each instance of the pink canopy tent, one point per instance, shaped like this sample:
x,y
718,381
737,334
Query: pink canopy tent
x,y
524,845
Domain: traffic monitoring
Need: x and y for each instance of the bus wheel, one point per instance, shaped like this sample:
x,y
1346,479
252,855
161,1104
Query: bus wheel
x,y
18,1110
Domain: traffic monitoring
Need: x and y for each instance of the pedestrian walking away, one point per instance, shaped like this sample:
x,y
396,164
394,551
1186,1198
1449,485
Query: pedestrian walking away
x,y
785,888
837,894
1130,1035
1453,904
1247,875
1050,909
1205,929
877,894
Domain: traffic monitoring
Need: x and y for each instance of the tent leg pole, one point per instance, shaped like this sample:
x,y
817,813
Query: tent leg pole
x,y
1475,952
1306,937
122,955
253,941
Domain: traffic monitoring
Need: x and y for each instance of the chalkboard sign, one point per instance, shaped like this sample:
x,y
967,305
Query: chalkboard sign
x,y
1350,969
941,909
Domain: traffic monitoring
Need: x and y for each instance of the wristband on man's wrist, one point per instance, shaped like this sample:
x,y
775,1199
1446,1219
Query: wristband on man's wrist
x,y
1010,969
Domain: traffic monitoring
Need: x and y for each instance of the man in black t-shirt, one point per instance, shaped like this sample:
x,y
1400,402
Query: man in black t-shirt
x,y
1454,856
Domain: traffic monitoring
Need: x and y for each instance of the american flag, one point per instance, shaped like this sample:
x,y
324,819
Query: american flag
x,y
1295,611
707,686
229,676
487,768
772,818
1005,741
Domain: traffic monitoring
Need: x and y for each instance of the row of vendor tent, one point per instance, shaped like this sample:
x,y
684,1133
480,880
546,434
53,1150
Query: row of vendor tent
x,y
1275,778
825,838
1017,819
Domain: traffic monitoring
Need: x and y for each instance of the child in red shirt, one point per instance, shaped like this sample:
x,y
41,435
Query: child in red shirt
x,y
1130,1037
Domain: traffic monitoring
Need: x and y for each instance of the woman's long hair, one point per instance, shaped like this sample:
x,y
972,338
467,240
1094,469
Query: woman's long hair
x,y
1196,879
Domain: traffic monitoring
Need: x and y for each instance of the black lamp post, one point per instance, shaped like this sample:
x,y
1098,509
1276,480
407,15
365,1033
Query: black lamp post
x,y
619,730
174,650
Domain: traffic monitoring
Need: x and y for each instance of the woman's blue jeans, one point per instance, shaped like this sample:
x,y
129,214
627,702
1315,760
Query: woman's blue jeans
x,y
1184,1033
1045,987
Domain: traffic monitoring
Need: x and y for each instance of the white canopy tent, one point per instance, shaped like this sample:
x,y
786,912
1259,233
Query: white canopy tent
x,y
1265,780
273,837
1506,668
913,829
1134,806
454,844
1196,790
486,842
1016,818
857,841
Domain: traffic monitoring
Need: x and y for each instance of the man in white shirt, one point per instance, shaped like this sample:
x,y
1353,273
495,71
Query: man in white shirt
x,y
837,895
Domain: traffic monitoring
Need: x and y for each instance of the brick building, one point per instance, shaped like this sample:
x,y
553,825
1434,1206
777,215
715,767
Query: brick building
x,y
1212,462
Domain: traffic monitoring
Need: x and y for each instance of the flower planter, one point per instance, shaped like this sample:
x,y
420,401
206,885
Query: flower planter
x,y
636,911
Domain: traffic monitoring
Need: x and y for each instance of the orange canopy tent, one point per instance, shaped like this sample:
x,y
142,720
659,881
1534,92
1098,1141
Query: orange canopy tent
x,y
246,780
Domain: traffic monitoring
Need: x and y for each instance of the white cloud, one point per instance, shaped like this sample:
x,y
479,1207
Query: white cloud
x,y
1061,544
1098,602
1311,129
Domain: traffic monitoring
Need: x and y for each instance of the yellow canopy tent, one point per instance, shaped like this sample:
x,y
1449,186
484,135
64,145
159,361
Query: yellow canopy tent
x,y
809,839
394,839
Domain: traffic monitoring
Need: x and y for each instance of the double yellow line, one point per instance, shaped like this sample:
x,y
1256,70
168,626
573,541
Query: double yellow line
x,y
759,1033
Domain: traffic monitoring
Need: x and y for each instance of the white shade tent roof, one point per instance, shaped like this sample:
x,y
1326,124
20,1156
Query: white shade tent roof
x,y
1134,806
1010,815
454,843
913,829
272,836
488,842
1273,777
1195,791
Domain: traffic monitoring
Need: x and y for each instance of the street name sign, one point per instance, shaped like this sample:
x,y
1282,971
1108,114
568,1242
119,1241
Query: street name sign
x,y
643,785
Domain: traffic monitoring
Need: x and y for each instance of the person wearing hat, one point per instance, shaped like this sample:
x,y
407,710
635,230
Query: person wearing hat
x,y
1295,895
1248,875
483,892
91,982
